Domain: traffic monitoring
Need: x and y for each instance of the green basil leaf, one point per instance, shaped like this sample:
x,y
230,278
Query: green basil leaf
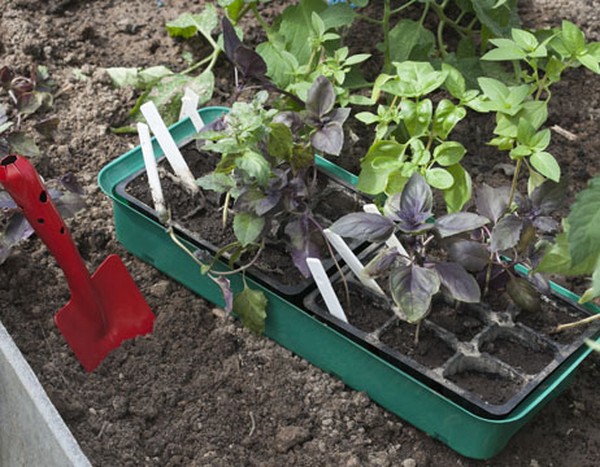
x,y
251,306
247,227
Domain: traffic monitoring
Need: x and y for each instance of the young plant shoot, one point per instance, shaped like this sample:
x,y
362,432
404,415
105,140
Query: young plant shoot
x,y
459,254
267,177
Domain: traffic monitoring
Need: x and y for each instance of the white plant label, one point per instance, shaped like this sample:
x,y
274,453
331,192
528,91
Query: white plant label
x,y
152,170
189,108
351,260
324,285
168,145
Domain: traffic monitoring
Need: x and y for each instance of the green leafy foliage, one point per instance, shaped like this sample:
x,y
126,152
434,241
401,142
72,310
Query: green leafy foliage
x,y
576,251
188,25
521,110
299,49
411,135
251,306
165,87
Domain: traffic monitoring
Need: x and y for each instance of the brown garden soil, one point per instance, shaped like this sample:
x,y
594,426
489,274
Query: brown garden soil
x,y
201,390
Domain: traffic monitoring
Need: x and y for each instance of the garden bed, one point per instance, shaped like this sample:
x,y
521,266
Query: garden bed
x,y
200,390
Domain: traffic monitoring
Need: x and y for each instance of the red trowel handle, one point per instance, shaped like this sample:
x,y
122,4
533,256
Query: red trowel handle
x,y
24,185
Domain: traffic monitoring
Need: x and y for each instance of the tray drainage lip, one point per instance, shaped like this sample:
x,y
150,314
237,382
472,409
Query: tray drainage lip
x,y
291,291
433,377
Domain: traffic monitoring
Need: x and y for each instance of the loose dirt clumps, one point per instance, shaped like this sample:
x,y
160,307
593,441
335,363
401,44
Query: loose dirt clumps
x,y
201,390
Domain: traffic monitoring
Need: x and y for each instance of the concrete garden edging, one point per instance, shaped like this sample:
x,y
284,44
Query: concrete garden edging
x,y
31,429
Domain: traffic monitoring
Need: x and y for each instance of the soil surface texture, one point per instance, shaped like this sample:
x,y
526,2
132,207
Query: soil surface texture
x,y
201,390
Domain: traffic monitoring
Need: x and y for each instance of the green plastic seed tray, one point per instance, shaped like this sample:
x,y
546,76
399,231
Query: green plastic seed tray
x,y
296,329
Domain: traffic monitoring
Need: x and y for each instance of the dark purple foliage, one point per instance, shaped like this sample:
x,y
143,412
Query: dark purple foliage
x,y
412,208
301,233
364,226
249,63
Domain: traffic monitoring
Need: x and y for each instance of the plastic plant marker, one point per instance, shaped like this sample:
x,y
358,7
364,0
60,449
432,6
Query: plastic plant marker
x,y
324,285
168,145
392,241
189,108
152,171
105,308
351,260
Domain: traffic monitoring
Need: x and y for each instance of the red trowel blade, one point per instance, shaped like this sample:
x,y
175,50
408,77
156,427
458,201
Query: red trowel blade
x,y
125,311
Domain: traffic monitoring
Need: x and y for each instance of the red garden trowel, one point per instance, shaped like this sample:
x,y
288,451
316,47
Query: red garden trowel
x,y
105,308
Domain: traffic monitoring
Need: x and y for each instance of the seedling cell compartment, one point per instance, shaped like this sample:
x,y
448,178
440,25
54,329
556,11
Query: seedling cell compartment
x,y
296,329
334,182
466,353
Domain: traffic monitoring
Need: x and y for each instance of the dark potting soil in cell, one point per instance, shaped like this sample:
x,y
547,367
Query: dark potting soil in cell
x,y
528,359
366,315
207,222
459,320
431,351
492,387
546,321
514,346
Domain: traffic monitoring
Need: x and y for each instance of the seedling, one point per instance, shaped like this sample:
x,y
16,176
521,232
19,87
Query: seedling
x,y
411,136
468,255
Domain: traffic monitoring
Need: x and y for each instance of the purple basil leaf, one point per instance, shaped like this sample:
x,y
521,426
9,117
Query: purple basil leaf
x,y
290,119
473,256
492,202
416,198
248,199
546,224
69,203
414,224
329,139
320,98
247,61
391,207
231,41
338,115
458,283
506,233
412,288
6,202
381,263
549,196
69,181
303,247
363,226
267,203
225,286
459,222
498,278
18,229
